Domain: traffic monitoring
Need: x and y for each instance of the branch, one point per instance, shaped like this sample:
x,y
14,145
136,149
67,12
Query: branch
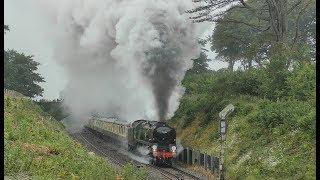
x,y
297,22
200,8
253,10
294,6
200,15
245,4
272,20
209,5
203,49
6,28
240,22
266,29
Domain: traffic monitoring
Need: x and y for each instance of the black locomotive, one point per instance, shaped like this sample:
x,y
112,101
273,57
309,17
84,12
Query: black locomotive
x,y
158,137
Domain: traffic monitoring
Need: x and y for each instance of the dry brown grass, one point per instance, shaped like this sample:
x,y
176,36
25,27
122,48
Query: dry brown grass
x,y
37,148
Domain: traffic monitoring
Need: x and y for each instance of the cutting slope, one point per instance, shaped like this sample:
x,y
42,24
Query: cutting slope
x,y
37,145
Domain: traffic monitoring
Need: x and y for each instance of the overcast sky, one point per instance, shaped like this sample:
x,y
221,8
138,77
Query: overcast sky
x,y
30,33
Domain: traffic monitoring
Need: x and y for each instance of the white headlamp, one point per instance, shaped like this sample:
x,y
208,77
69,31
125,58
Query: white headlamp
x,y
173,148
154,147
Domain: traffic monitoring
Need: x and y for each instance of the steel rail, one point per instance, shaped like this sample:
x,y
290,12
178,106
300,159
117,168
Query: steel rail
x,y
103,153
166,173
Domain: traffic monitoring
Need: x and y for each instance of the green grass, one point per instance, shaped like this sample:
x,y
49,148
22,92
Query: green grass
x,y
271,133
265,139
38,146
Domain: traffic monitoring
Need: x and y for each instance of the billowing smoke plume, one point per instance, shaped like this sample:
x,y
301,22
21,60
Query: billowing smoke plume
x,y
163,66
125,58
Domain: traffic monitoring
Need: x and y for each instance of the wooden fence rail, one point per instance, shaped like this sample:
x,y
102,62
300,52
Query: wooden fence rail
x,y
191,156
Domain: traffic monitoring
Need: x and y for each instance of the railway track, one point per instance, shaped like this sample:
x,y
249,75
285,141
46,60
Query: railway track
x,y
186,173
171,173
114,160
167,175
175,173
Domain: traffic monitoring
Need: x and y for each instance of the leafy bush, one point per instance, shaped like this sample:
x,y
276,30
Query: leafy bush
x,y
292,114
20,74
271,133
302,82
56,110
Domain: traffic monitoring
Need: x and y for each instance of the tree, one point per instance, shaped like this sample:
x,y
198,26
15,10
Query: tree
x,y
6,28
261,16
19,72
20,75
200,65
236,41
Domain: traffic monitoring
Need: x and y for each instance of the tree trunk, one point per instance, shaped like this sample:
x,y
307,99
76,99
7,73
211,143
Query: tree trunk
x,y
258,61
250,64
231,64
278,18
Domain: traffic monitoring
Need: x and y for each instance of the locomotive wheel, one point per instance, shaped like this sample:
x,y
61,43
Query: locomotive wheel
x,y
154,162
169,163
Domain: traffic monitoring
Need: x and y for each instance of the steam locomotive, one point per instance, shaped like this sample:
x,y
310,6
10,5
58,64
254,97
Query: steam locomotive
x,y
157,137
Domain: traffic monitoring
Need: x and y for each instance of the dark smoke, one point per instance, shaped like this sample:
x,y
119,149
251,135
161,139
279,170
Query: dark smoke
x,y
161,68
125,58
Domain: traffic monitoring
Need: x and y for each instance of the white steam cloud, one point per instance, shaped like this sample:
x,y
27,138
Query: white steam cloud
x,y
125,58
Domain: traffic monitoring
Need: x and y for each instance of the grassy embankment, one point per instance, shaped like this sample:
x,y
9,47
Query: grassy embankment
x,y
266,139
37,146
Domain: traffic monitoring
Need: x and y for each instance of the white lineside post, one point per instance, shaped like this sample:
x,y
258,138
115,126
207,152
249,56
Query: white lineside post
x,y
223,127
